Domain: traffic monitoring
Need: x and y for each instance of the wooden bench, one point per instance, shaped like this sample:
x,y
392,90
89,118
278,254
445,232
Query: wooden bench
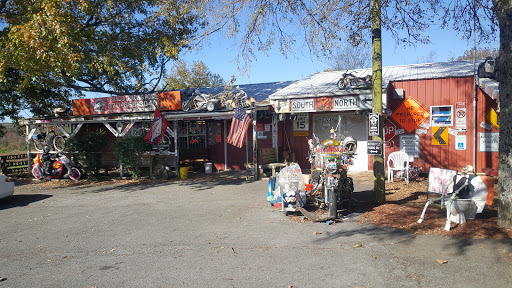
x,y
267,159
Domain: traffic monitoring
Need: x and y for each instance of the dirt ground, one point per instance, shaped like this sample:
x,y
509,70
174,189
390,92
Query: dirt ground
x,y
404,204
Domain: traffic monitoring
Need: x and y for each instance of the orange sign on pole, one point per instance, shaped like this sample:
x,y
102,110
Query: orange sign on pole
x,y
410,114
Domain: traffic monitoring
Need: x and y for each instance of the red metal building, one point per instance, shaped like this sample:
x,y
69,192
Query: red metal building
x,y
435,113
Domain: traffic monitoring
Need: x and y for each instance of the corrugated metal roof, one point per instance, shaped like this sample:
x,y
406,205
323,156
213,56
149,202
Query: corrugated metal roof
x,y
490,87
260,92
325,83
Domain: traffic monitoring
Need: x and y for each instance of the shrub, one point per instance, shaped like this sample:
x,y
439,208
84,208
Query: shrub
x,y
129,150
88,147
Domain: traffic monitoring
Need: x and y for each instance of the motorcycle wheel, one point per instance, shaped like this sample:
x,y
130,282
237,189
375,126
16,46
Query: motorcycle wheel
x,y
333,203
347,188
341,84
212,105
59,142
230,105
75,173
37,172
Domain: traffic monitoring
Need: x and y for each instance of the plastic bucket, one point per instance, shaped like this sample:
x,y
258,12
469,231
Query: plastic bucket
x,y
183,172
208,168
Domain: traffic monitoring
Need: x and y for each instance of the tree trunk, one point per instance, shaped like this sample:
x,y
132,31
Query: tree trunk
x,y
378,160
503,10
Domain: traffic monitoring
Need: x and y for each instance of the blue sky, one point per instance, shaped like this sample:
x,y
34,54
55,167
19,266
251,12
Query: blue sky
x,y
219,57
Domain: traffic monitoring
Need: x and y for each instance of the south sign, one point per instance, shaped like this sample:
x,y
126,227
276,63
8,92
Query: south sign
x,y
303,105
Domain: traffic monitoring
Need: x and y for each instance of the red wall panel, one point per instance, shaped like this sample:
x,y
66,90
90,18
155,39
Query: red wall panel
x,y
446,91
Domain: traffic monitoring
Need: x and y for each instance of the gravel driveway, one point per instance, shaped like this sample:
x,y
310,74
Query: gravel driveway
x,y
218,232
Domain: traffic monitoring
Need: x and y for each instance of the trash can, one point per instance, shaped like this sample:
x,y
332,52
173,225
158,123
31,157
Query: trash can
x,y
183,172
208,168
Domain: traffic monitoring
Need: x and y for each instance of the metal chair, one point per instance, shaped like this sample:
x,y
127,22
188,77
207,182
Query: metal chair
x,y
398,161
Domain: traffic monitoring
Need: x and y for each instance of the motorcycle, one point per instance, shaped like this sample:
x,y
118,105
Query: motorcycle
x,y
329,184
61,168
240,98
350,81
200,101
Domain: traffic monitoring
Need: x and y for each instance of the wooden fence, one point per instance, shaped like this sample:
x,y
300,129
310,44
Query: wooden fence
x,y
12,164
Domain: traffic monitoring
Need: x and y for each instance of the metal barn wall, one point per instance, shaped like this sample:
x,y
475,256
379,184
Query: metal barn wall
x,y
447,91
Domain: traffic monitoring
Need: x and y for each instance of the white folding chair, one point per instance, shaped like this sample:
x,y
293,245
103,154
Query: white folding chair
x,y
398,161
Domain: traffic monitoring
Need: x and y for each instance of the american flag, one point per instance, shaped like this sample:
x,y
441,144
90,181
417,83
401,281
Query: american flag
x,y
239,127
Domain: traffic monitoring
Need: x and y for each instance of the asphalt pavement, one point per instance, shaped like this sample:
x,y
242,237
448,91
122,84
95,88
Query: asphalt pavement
x,y
219,232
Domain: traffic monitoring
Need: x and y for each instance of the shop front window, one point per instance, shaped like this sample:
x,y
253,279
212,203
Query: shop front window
x,y
192,135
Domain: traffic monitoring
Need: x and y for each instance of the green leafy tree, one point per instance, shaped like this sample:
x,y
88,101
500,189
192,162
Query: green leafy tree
x,y
196,76
129,151
87,148
51,50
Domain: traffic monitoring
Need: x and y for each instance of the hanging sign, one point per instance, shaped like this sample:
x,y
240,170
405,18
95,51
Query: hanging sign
x,y
301,133
373,124
460,117
301,122
374,147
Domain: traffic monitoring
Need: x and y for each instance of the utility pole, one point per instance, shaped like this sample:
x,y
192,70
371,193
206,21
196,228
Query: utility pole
x,y
379,187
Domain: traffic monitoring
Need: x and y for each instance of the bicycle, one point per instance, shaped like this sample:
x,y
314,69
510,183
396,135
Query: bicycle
x,y
50,138
163,145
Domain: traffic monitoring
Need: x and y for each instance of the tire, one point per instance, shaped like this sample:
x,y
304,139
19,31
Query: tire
x,y
229,105
186,105
333,203
341,84
38,145
164,144
74,174
59,143
212,105
36,171
347,188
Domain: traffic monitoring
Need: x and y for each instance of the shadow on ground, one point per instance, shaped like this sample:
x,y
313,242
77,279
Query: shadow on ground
x,y
21,200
